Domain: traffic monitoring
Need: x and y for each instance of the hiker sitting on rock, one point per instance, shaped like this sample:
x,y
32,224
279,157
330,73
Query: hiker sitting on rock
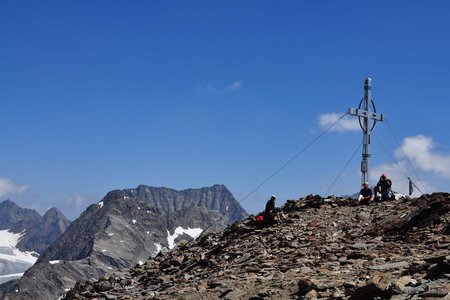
x,y
383,187
272,213
365,195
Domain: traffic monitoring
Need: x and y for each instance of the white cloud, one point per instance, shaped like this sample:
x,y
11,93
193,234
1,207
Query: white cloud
x,y
7,187
400,182
77,201
419,150
348,123
210,88
236,85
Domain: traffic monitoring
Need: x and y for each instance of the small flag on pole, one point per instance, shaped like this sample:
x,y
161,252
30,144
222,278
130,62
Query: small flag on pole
x,y
411,187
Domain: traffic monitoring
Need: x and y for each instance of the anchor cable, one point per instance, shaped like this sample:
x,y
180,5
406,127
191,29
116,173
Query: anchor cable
x,y
396,163
406,156
279,169
343,169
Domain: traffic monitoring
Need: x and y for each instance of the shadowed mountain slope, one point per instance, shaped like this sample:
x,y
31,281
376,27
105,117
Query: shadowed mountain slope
x,y
122,230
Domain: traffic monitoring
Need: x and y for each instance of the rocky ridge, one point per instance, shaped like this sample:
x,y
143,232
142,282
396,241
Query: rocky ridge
x,y
215,198
328,249
24,235
122,230
39,231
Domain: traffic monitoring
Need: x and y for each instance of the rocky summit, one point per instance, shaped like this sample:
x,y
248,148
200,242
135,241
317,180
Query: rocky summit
x,y
327,249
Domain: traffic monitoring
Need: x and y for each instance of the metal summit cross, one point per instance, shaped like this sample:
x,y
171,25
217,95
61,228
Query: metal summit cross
x,y
367,120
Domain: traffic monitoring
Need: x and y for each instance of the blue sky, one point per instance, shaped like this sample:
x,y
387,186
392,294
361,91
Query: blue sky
x,y
103,95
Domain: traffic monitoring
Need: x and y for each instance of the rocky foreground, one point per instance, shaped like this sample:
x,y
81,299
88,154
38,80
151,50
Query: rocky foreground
x,y
329,249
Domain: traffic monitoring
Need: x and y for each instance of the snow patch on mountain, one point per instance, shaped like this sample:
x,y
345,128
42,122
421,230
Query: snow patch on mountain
x,y
13,262
9,251
5,278
192,232
399,195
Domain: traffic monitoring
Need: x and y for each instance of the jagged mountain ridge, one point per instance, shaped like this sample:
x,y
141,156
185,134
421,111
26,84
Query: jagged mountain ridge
x,y
329,249
118,218
215,198
50,227
39,231
25,234
124,228
15,218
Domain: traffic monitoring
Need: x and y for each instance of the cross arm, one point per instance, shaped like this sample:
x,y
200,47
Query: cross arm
x,y
365,113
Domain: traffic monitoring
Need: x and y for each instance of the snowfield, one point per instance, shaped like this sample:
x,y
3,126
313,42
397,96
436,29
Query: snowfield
x,y
192,232
8,250
11,276
13,262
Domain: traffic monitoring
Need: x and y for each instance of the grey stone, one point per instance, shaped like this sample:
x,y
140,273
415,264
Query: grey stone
x,y
390,266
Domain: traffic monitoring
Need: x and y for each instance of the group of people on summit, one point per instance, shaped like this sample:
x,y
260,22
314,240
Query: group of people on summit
x,y
384,187
366,195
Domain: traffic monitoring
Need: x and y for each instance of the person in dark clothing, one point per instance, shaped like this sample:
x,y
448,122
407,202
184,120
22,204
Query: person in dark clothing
x,y
272,213
365,195
384,187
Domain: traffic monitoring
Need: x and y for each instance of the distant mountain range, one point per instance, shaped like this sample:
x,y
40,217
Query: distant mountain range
x,y
122,230
24,234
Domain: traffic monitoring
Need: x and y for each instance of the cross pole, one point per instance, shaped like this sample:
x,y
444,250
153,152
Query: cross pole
x,y
367,120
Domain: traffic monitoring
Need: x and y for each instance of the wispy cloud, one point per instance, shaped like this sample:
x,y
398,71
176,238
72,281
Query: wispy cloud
x,y
236,85
348,123
211,88
8,187
77,201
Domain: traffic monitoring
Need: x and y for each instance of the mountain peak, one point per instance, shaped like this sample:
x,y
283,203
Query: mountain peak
x,y
113,195
53,212
216,198
15,218
219,186
8,203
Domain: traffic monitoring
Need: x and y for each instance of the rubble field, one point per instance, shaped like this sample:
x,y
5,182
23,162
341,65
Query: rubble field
x,y
327,249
